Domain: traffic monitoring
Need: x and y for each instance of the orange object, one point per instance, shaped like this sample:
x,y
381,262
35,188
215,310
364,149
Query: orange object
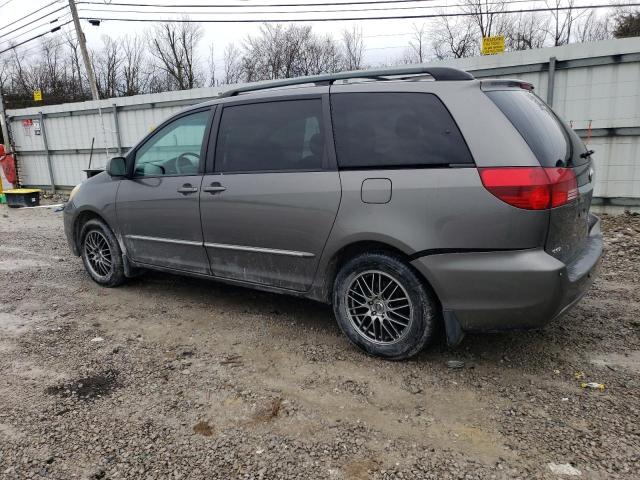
x,y
8,165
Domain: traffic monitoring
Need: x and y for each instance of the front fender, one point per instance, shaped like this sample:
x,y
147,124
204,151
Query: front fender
x,y
96,197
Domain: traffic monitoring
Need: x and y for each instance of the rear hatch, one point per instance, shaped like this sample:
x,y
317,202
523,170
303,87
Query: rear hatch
x,y
559,151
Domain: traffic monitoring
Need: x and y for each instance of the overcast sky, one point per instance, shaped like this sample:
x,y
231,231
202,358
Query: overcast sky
x,y
384,39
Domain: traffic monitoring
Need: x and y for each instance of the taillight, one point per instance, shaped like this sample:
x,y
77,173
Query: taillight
x,y
531,188
564,186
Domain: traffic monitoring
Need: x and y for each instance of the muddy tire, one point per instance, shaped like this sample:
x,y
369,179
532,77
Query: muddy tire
x,y
383,307
101,254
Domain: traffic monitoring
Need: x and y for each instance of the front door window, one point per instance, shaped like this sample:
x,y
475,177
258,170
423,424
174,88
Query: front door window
x,y
174,150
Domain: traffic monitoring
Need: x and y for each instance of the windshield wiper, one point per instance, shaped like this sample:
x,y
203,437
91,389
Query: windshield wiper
x,y
587,154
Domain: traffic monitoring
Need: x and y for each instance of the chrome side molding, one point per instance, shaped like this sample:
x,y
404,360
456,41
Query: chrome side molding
x,y
165,240
272,251
224,246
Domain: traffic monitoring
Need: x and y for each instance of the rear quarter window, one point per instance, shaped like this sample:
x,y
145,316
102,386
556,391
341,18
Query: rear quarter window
x,y
387,130
549,139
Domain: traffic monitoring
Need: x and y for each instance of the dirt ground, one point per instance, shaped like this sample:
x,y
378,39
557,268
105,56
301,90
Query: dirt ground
x,y
171,377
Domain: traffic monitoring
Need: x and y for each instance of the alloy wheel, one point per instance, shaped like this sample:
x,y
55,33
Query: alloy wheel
x,y
98,254
379,307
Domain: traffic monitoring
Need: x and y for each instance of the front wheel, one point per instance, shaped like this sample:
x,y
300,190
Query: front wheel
x,y
383,307
101,254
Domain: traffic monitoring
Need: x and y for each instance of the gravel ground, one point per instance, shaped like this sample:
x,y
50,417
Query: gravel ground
x,y
171,377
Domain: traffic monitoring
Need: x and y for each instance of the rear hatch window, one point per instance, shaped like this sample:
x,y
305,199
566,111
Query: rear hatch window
x,y
554,144
539,126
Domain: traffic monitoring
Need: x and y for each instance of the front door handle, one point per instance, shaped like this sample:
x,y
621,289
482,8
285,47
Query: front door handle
x,y
215,187
187,188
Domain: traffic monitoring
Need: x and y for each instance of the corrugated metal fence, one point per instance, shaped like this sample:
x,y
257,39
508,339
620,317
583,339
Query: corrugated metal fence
x,y
594,86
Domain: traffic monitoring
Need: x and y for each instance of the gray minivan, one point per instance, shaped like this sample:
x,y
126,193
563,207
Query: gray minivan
x,y
405,198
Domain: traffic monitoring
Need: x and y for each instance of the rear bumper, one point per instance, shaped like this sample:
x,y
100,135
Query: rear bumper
x,y
505,290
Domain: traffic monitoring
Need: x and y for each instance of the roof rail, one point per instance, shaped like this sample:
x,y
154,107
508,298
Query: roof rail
x,y
438,74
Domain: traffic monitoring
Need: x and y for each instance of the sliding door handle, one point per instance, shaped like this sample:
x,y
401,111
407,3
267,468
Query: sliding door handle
x,y
187,188
215,187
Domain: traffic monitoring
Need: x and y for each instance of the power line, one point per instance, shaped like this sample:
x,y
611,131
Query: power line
x,y
35,37
32,29
30,50
263,12
155,5
6,3
29,14
33,48
351,19
36,20
386,48
404,34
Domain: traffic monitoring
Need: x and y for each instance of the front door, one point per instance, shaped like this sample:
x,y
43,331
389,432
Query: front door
x,y
158,207
268,208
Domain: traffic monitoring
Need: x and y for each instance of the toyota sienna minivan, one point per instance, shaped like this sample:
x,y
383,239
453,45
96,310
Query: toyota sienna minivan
x,y
405,198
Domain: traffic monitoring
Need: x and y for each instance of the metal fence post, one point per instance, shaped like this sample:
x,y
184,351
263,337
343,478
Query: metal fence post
x,y
46,148
117,125
551,80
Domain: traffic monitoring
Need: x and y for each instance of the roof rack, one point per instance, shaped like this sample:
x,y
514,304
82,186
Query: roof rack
x,y
438,74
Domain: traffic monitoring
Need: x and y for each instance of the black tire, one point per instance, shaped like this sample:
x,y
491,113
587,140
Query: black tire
x,y
110,276
421,308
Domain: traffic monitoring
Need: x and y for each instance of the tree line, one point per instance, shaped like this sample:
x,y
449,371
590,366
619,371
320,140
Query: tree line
x,y
170,56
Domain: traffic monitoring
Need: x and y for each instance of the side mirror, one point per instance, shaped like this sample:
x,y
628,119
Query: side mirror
x,y
117,167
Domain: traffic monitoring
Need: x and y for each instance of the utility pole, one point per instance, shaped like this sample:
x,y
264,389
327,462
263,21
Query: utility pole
x,y
3,123
83,48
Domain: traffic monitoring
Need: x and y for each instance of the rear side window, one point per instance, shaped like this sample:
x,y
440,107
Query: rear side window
x,y
395,130
284,135
539,126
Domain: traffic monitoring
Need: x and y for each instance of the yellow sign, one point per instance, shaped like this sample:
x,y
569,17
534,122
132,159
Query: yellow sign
x,y
493,45
37,95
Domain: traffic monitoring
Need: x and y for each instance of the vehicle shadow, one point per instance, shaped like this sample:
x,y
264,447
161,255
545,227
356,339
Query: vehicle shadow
x,y
513,347
237,299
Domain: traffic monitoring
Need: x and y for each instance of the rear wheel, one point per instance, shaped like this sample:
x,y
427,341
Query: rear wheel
x,y
382,306
101,254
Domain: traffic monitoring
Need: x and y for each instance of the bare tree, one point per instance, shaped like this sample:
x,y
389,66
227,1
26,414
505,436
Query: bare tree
x,y
454,38
525,32
279,52
173,46
5,72
320,55
417,51
73,55
21,80
51,73
232,64
486,14
353,48
211,67
106,65
592,28
264,54
135,77
294,42
563,17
